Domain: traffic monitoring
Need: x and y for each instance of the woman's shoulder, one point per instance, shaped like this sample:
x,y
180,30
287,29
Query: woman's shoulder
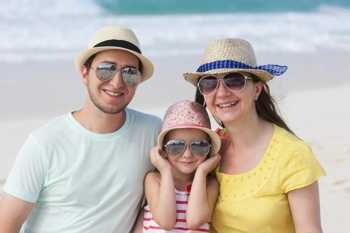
x,y
298,165
281,140
293,152
289,142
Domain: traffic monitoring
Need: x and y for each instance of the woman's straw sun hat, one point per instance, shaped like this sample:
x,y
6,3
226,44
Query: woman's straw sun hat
x,y
232,55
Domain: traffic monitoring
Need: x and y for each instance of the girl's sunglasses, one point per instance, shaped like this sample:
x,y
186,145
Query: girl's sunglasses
x,y
106,71
233,81
177,147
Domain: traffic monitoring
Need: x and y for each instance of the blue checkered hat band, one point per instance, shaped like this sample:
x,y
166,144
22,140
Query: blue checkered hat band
x,y
275,70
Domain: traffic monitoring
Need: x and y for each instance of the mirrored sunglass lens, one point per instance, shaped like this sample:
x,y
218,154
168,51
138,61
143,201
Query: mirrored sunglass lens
x,y
200,147
131,76
234,81
175,147
207,84
106,71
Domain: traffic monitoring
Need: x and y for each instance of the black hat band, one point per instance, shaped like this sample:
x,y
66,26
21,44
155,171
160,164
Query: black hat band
x,y
119,43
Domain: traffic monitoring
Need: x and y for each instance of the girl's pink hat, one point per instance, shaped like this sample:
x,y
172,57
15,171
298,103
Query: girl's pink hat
x,y
188,114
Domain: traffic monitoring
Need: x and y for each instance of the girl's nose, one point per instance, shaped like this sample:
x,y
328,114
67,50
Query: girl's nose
x,y
187,153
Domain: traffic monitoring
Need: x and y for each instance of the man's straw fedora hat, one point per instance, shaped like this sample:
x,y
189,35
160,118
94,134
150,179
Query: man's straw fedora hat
x,y
118,38
232,55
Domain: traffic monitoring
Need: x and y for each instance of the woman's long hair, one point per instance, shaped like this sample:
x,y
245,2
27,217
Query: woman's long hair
x,y
265,107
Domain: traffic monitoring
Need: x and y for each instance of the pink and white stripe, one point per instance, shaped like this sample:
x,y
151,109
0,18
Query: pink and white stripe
x,y
150,226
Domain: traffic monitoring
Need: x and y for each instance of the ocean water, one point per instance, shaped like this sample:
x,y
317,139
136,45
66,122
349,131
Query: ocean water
x,y
58,29
218,6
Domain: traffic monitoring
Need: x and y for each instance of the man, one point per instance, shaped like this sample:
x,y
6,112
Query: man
x,y
83,171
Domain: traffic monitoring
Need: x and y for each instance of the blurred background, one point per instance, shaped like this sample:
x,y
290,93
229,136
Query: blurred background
x,y
51,29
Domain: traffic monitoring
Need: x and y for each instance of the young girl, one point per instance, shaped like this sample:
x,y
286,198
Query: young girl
x,y
180,194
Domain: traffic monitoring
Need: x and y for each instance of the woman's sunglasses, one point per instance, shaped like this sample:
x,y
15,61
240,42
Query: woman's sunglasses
x,y
106,71
233,81
177,147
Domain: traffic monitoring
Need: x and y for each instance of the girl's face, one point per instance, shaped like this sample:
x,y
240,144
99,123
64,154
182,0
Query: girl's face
x,y
197,148
228,105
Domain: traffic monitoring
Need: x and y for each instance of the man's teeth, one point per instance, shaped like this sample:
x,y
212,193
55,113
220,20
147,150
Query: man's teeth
x,y
113,93
227,105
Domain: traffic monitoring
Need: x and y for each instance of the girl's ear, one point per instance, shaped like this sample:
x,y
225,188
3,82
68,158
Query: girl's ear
x,y
162,152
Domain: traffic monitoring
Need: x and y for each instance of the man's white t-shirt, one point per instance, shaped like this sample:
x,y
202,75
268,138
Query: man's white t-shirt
x,y
81,181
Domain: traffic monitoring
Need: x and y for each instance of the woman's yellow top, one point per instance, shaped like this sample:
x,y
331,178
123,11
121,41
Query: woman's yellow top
x,y
256,201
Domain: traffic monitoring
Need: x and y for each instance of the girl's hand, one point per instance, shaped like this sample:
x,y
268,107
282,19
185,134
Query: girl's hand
x,y
158,160
209,164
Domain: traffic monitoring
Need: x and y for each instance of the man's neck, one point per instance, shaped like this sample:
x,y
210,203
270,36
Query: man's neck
x,y
99,122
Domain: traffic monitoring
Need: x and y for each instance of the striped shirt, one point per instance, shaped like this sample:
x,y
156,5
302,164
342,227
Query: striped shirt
x,y
150,226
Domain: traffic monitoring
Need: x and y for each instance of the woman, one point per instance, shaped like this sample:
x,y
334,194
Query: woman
x,y
267,175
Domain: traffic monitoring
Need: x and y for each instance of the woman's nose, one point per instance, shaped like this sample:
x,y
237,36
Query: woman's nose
x,y
222,89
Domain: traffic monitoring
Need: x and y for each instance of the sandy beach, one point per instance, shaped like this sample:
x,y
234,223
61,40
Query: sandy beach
x,y
312,97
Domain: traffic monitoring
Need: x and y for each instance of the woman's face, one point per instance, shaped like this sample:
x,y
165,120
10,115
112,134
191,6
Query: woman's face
x,y
231,105
186,162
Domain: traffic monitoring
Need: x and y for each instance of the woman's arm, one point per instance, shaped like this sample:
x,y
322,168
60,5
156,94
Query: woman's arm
x,y
305,207
203,194
160,192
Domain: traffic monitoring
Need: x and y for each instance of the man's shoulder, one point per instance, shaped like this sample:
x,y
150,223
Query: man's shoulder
x,y
144,118
51,128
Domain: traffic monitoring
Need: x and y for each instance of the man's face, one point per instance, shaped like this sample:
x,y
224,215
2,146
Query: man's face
x,y
114,95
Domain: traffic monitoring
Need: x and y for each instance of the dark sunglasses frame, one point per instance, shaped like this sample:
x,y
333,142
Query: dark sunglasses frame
x,y
225,78
106,71
195,142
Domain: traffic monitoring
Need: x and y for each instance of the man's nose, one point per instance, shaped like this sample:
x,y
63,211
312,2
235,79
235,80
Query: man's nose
x,y
117,80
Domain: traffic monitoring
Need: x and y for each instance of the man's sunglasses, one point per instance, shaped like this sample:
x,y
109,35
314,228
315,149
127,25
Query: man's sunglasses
x,y
177,147
233,81
106,71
